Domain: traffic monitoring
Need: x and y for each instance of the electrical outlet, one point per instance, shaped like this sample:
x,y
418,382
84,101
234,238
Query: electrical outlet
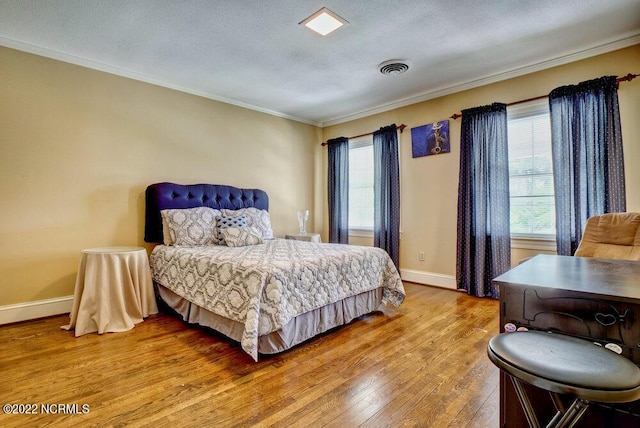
x,y
421,256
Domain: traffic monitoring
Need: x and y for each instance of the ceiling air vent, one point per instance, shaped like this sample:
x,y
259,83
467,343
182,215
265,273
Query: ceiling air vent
x,y
393,67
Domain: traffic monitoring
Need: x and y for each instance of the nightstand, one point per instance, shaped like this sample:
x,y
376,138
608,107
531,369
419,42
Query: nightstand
x,y
113,290
309,237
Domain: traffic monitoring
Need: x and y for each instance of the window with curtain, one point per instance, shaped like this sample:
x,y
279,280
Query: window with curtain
x,y
361,196
588,170
338,189
386,181
532,203
483,248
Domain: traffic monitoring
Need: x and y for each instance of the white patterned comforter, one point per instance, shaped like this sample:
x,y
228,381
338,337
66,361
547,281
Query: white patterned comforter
x,y
265,286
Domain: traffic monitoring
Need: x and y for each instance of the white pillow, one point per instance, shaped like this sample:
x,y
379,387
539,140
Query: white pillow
x,y
191,226
241,236
255,218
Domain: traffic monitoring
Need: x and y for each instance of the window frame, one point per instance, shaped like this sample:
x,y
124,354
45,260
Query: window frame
x,y
531,241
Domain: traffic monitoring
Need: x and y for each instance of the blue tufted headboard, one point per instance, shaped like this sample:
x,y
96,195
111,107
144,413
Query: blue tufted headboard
x,y
162,196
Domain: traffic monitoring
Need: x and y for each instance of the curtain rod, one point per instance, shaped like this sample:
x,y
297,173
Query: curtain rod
x,y
628,78
400,127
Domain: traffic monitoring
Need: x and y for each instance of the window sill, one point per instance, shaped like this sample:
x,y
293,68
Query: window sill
x,y
361,233
545,243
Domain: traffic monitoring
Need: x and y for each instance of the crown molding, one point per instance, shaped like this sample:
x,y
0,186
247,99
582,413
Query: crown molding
x,y
459,87
142,77
424,96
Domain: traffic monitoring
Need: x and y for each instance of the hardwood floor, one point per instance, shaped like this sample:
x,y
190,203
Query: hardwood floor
x,y
423,364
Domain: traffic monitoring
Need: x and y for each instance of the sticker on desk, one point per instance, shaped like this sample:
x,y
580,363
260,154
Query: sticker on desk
x,y
614,347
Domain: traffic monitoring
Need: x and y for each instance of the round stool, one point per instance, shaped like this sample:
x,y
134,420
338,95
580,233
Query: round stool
x,y
564,365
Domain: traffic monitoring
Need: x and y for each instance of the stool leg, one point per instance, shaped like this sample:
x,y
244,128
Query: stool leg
x,y
557,402
560,409
573,414
526,404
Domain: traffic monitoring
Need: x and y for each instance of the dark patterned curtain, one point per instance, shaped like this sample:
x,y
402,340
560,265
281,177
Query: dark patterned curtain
x,y
338,178
484,239
386,185
588,165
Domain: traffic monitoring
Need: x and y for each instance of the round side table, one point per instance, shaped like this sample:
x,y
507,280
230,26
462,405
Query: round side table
x,y
113,290
309,237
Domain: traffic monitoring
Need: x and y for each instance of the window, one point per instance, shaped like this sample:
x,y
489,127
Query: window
x,y
361,185
531,172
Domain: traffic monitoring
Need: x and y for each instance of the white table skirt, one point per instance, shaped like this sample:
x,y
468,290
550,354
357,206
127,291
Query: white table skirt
x,y
113,290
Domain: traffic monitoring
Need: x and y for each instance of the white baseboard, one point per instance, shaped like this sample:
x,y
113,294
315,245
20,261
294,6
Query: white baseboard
x,y
62,305
429,278
36,309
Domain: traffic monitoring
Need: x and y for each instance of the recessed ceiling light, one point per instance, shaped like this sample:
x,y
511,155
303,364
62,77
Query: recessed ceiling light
x,y
324,22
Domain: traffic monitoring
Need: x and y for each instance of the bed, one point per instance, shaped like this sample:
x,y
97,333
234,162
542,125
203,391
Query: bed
x,y
217,264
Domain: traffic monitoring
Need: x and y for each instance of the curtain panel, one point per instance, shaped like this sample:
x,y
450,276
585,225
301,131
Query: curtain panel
x,y
338,190
386,184
484,239
588,163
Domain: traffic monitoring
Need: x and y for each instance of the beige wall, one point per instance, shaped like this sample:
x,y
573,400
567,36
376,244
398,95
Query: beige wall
x,y
78,148
430,184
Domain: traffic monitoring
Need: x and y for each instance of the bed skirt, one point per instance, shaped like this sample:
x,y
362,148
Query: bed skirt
x,y
296,331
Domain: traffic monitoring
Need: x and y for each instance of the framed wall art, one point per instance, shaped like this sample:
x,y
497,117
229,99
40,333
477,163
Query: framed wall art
x,y
431,139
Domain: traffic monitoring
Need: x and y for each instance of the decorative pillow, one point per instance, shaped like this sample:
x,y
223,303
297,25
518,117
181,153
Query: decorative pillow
x,y
259,219
224,222
191,226
241,236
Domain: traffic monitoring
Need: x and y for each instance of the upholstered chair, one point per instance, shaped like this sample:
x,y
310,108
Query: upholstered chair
x,y
611,236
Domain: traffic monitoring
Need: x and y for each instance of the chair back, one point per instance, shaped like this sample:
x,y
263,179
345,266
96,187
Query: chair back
x,y
611,236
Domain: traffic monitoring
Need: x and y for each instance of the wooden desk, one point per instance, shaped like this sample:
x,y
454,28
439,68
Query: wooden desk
x,y
596,299
113,290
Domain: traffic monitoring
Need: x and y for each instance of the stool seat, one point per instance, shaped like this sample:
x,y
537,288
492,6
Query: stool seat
x,y
564,365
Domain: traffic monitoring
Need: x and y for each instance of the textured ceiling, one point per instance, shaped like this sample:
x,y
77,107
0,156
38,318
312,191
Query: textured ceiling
x,y
253,53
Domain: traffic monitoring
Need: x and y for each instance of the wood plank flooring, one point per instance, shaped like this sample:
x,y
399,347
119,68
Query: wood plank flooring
x,y
423,364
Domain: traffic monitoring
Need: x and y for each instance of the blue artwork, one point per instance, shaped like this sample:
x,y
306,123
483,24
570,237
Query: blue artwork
x,y
431,139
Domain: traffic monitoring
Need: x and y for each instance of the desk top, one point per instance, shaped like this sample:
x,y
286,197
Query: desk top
x,y
604,277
